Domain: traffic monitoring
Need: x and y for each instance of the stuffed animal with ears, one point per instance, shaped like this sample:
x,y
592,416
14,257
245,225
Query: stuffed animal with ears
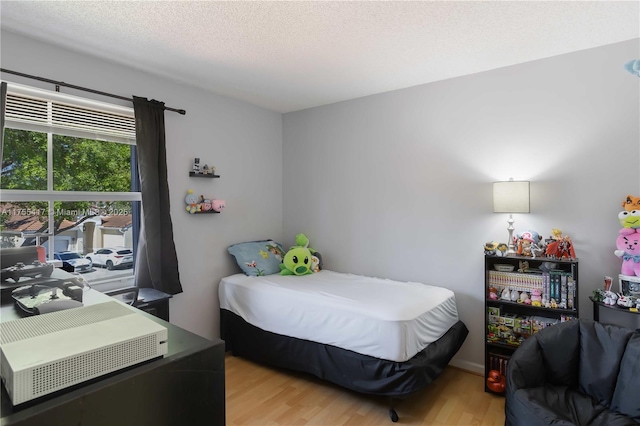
x,y
628,248
631,203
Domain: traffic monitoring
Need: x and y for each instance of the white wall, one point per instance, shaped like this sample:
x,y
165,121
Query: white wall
x,y
244,142
398,185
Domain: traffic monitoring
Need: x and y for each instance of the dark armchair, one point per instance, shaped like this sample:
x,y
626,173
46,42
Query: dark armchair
x,y
575,373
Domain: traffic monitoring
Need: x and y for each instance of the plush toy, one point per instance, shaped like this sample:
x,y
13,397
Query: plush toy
x,y
629,219
625,302
506,294
536,297
628,248
524,298
192,200
493,293
206,204
297,261
528,244
610,298
218,205
631,203
496,382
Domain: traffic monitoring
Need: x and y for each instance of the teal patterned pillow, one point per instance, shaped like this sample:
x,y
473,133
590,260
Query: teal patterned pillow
x,y
258,258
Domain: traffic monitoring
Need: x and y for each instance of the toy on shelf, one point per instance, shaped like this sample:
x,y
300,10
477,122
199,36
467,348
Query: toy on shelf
x,y
628,241
631,203
628,248
204,171
536,297
560,246
496,382
199,204
529,244
493,248
629,219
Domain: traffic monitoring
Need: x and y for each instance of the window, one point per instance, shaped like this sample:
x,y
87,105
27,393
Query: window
x,y
69,180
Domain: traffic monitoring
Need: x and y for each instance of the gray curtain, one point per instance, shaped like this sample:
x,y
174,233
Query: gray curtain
x,y
3,94
156,261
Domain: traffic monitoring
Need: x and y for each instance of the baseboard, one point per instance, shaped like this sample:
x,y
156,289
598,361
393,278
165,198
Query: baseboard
x,y
471,367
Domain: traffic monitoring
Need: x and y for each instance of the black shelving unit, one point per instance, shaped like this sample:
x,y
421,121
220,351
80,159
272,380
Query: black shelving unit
x,y
516,320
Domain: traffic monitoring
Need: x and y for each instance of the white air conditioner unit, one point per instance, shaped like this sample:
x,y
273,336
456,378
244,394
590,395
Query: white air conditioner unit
x,y
43,354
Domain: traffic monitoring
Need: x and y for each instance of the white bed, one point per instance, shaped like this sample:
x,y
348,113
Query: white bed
x,y
381,318
370,335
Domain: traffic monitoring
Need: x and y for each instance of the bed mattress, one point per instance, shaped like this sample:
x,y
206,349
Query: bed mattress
x,y
382,318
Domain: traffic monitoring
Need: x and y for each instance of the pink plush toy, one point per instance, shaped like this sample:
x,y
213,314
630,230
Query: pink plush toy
x,y
628,245
536,297
218,205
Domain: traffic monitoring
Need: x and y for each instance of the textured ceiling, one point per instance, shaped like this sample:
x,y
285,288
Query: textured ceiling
x,y
292,55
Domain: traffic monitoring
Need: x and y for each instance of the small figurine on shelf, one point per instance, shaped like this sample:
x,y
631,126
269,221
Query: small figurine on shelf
x,y
599,295
536,297
496,382
625,302
524,298
493,293
205,169
196,165
506,294
560,246
610,298
523,265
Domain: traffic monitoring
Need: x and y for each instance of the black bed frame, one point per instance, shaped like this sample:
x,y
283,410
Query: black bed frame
x,y
361,373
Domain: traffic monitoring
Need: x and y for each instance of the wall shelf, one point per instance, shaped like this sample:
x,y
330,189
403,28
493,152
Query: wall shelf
x,y
202,175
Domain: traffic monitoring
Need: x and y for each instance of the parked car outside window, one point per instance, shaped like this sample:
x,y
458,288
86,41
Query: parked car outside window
x,y
112,258
73,262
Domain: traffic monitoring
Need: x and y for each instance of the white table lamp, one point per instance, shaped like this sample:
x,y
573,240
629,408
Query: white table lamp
x,y
511,197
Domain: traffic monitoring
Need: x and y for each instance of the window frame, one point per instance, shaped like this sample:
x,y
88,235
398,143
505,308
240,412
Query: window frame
x,y
27,118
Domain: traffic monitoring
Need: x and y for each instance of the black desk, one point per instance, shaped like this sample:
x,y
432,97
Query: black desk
x,y
185,387
614,314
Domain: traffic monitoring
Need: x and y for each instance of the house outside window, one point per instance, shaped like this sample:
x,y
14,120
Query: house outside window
x,y
69,181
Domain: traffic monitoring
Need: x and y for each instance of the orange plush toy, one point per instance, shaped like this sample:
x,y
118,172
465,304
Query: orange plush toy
x,y
496,382
631,203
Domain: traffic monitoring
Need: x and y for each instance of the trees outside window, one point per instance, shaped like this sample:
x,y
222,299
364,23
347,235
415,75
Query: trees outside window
x,y
64,190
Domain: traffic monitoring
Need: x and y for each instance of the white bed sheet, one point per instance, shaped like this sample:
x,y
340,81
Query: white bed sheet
x,y
381,318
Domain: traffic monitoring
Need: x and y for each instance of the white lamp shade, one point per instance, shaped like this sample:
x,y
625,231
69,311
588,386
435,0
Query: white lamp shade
x,y
511,197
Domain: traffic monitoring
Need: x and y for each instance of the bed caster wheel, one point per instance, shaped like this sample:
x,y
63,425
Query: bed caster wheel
x,y
393,415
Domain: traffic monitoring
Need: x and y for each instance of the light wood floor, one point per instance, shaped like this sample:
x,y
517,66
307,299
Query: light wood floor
x,y
260,395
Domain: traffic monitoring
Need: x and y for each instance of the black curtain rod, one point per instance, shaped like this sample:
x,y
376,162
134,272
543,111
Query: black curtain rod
x,y
71,86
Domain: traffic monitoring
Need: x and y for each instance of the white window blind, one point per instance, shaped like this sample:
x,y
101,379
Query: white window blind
x,y
39,110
